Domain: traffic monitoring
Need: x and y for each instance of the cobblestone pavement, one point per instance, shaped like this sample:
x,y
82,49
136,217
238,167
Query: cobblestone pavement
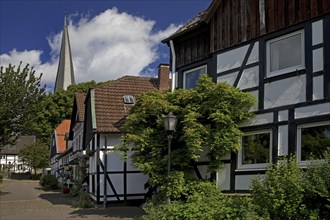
x,y
21,199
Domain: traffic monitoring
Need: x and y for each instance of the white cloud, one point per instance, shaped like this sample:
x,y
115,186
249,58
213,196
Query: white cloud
x,y
107,46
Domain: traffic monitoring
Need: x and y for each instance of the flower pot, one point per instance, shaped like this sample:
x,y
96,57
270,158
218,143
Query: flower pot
x,y
65,190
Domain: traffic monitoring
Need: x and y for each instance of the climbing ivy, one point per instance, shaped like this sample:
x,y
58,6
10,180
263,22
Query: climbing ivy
x,y
208,122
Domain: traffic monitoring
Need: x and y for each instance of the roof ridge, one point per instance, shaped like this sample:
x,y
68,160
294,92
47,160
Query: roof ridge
x,y
114,82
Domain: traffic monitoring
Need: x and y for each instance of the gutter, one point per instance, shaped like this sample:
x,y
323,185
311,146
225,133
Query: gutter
x,y
174,78
93,109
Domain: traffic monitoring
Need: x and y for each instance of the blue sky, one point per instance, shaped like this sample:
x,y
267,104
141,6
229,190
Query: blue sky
x,y
109,38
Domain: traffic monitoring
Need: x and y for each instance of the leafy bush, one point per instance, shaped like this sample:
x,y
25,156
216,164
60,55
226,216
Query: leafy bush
x,y
317,193
49,182
85,200
281,193
74,190
203,201
2,175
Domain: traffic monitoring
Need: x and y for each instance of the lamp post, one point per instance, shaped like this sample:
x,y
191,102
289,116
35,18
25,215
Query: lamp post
x,y
170,121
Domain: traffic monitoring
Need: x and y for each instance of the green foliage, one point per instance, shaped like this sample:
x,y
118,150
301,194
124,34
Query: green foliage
x,y
49,182
209,115
84,200
20,93
54,108
35,156
203,201
75,190
2,175
317,192
281,194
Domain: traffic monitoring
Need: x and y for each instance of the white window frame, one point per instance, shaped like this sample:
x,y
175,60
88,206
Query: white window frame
x,y
259,166
299,127
270,73
192,70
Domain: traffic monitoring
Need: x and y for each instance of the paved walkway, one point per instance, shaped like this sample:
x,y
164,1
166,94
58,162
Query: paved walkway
x,y
21,199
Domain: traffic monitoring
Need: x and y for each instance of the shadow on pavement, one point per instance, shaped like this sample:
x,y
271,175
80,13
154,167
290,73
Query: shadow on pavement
x,y
3,193
114,212
57,198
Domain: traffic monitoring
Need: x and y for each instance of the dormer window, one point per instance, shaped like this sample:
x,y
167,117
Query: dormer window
x,y
129,99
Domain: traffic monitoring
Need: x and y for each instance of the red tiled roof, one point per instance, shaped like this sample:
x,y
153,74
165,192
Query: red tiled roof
x,y
61,130
80,99
110,109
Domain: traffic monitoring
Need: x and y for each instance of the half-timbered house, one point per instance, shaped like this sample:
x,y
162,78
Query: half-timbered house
x,y
77,155
111,178
277,50
57,147
9,154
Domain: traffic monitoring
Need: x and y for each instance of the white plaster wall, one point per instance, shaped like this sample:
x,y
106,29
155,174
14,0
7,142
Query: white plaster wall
x,y
134,183
255,94
226,157
203,154
318,59
317,30
318,92
283,115
130,166
228,78
249,78
231,59
115,163
260,119
283,140
223,178
203,171
243,182
254,56
117,181
285,92
313,110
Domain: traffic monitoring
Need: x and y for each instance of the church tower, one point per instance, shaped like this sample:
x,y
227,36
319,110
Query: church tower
x,y
65,74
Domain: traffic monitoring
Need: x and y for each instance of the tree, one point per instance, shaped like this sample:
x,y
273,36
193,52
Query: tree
x,y
35,156
208,116
54,108
20,93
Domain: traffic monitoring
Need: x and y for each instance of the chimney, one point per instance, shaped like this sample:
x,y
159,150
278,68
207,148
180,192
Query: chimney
x,y
163,77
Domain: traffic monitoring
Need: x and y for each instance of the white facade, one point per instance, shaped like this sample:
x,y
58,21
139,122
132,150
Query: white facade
x,y
110,174
13,163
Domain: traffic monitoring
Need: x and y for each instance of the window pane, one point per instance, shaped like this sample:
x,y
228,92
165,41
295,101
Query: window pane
x,y
314,141
191,77
255,148
285,53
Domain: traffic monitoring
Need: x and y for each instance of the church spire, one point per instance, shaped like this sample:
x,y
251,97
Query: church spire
x,y
65,74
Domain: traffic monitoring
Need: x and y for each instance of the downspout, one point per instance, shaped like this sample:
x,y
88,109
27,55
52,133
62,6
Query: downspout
x,y
105,158
174,77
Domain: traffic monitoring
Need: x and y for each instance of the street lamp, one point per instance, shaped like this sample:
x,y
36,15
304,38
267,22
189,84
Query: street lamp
x,y
170,121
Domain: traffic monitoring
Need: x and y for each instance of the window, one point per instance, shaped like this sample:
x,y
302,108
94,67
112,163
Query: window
x,y
255,149
129,99
3,157
313,141
190,77
285,54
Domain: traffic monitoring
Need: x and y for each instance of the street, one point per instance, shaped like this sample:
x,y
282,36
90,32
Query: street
x,y
22,199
